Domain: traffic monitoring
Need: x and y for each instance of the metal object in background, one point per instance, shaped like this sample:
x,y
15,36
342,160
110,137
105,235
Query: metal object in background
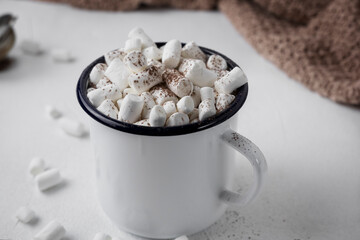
x,y
7,34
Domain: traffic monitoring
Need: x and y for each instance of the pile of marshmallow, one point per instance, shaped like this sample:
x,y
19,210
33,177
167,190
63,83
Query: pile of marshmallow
x,y
167,86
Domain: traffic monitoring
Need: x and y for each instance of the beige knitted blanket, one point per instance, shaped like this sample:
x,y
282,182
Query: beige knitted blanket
x,y
316,42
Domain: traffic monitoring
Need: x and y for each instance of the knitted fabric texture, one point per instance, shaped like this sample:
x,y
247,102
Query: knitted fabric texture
x,y
316,42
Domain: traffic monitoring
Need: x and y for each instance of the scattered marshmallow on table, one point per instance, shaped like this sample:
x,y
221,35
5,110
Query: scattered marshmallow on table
x,y
72,127
223,101
97,72
231,81
132,44
169,107
149,103
101,236
110,56
108,108
207,93
144,80
52,112
131,108
111,91
139,33
171,53
36,166
157,117
135,61
216,62
118,73
177,119
177,83
48,179
197,72
25,214
185,105
192,50
31,47
52,231
62,55
206,109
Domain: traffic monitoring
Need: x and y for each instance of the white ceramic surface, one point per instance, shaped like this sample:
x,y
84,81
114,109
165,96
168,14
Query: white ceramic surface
x,y
168,186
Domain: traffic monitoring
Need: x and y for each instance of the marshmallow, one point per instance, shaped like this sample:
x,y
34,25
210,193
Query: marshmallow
x,y
132,44
103,82
118,103
191,50
90,89
196,120
48,179
196,96
220,73
199,74
223,101
206,109
52,112
118,53
108,108
62,55
52,231
139,33
177,119
185,105
101,236
118,73
131,108
177,83
157,116
25,214
194,114
216,62
149,103
162,94
36,166
72,127
31,47
207,93
152,53
111,91
128,91
144,80
231,81
97,72
183,237
185,64
144,122
135,61
169,107
171,53
160,67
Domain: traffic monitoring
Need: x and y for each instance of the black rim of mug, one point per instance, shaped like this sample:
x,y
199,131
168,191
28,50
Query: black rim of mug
x,y
81,92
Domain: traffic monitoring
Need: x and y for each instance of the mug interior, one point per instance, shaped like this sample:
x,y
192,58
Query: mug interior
x,y
81,92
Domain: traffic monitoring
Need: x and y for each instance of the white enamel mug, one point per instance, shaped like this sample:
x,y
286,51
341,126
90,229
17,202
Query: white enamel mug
x,y
164,182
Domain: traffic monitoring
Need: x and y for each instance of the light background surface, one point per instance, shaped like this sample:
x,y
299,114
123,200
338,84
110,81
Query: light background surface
x,y
312,144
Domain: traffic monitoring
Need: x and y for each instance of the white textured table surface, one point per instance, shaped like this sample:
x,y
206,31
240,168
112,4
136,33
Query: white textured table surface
x,y
312,144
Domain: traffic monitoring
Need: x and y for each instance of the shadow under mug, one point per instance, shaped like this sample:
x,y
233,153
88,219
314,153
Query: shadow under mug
x,y
164,182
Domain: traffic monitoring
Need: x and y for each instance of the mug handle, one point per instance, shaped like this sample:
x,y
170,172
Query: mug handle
x,y
258,162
